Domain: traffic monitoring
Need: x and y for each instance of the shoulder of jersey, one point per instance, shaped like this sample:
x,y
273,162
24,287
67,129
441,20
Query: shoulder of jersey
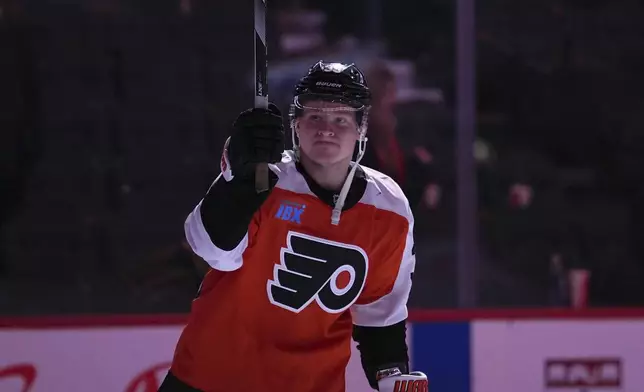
x,y
382,191
386,193
285,166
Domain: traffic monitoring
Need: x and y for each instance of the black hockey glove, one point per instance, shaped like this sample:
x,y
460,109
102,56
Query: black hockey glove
x,y
258,136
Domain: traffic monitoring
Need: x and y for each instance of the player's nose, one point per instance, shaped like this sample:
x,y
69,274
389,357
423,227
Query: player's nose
x,y
324,129
324,133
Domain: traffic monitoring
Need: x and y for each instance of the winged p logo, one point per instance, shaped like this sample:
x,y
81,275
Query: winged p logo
x,y
310,269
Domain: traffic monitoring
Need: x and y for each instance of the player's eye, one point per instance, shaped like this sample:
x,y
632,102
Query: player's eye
x,y
342,121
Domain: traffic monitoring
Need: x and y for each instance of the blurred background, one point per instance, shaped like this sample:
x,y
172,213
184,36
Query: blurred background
x,y
113,115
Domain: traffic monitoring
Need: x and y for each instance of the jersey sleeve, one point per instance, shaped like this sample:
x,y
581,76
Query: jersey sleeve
x,y
226,220
202,245
386,304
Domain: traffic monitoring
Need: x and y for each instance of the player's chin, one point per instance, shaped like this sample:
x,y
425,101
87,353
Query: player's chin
x,y
326,158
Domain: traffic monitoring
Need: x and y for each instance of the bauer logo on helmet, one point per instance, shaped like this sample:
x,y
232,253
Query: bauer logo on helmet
x,y
329,84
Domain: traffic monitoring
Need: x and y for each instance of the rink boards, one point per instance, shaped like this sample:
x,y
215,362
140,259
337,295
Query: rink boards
x,y
480,352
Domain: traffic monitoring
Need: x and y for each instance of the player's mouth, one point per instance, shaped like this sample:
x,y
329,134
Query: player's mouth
x,y
324,143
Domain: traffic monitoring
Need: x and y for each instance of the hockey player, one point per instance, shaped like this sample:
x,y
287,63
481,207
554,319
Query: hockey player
x,y
326,254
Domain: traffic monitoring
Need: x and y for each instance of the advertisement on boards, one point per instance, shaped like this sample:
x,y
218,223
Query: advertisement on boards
x,y
480,356
128,359
101,359
583,373
136,358
558,356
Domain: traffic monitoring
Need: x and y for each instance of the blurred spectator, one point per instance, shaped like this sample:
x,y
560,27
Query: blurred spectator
x,y
409,167
558,285
520,195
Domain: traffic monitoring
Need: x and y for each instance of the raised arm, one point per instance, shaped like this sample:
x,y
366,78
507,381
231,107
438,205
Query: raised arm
x,y
217,229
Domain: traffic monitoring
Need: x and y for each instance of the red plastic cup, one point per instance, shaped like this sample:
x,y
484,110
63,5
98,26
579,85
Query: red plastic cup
x,y
579,282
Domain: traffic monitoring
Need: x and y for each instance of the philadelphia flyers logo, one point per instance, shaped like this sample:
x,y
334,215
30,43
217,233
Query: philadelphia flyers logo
x,y
314,269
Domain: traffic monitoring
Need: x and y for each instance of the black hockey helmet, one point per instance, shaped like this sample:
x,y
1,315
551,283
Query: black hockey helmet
x,y
335,82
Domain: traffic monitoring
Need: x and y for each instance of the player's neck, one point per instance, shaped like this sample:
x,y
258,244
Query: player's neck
x,y
328,177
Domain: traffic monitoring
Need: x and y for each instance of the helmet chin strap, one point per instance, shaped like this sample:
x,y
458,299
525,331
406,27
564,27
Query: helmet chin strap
x,y
339,203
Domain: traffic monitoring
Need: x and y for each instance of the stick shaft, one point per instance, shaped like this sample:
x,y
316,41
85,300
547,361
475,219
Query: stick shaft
x,y
260,69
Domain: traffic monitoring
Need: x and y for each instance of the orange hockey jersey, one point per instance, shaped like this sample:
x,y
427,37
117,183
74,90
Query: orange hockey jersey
x,y
276,313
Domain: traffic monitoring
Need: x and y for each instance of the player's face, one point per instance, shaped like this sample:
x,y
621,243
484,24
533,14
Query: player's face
x,y
327,132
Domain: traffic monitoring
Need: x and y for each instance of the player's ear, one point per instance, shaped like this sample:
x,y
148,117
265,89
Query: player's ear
x,y
296,126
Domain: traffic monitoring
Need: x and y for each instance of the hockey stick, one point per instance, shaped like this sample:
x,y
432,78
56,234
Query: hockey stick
x,y
261,87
